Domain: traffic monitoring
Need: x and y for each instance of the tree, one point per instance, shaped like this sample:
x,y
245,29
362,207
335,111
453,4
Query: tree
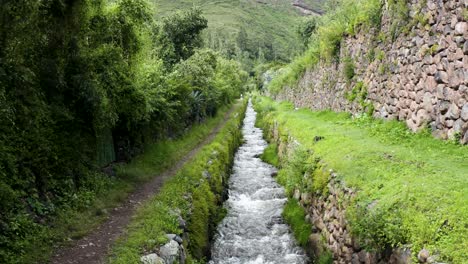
x,y
305,30
179,36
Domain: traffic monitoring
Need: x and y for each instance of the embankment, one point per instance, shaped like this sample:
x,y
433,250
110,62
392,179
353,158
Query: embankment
x,y
372,191
177,224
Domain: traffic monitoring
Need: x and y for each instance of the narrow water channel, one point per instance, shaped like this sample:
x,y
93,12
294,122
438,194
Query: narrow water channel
x,y
253,230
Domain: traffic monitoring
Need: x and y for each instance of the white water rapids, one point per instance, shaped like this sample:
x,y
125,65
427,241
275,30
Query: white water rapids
x,y
253,230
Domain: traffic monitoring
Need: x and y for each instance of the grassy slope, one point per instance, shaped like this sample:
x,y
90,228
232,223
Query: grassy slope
x,y
187,192
276,20
419,177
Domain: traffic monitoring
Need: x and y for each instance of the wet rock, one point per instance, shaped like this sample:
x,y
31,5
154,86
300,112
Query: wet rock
x,y
356,244
297,194
464,139
170,236
355,259
464,112
400,256
319,223
423,255
151,259
461,28
444,107
362,256
178,239
315,240
454,111
182,223
206,174
441,77
170,252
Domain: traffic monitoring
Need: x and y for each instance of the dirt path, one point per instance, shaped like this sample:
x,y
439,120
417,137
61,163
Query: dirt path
x,y
94,247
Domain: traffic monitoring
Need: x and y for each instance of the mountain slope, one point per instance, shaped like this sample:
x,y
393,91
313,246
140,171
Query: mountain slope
x,y
269,24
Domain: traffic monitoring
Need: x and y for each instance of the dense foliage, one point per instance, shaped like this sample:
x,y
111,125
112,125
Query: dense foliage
x,y
248,31
84,83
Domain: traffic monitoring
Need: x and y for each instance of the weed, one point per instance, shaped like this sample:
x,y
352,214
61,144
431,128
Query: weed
x,y
380,55
325,258
294,215
270,156
348,68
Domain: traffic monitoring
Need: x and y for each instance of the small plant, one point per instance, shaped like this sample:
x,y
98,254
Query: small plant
x,y
359,92
422,19
325,258
371,55
382,37
270,155
431,50
348,68
294,215
383,68
465,14
320,179
380,55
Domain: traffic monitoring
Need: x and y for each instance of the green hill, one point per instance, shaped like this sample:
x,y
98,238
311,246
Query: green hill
x,y
269,25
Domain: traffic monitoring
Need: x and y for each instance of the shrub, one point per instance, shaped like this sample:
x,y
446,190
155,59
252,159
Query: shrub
x,y
348,68
294,214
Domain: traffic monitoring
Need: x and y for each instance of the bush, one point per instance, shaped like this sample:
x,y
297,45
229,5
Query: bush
x,y
294,214
348,68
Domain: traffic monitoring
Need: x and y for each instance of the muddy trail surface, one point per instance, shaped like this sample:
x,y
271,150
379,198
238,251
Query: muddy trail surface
x,y
94,247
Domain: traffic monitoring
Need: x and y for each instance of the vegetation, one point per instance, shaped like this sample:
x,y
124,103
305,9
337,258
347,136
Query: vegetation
x,y
410,187
270,156
250,32
84,84
306,29
324,42
190,195
294,215
348,68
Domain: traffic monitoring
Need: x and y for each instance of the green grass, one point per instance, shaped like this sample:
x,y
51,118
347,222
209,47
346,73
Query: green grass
x,y
270,156
196,198
161,155
93,207
418,185
294,215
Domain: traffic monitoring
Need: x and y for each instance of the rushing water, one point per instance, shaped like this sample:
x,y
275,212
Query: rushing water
x,y
253,230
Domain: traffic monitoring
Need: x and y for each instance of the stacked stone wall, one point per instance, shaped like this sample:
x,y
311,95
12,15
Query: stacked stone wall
x,y
420,77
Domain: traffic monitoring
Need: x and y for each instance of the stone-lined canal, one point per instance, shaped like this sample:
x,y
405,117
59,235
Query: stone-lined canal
x,y
253,230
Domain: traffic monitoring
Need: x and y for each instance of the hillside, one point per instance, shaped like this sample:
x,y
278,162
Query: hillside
x,y
269,24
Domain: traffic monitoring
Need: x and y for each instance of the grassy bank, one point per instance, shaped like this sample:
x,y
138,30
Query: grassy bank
x,y
195,194
412,188
91,207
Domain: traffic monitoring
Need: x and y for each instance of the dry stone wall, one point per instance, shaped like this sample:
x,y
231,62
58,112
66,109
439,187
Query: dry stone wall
x,y
327,213
420,77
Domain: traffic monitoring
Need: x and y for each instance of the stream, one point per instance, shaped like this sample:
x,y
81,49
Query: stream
x,y
253,230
